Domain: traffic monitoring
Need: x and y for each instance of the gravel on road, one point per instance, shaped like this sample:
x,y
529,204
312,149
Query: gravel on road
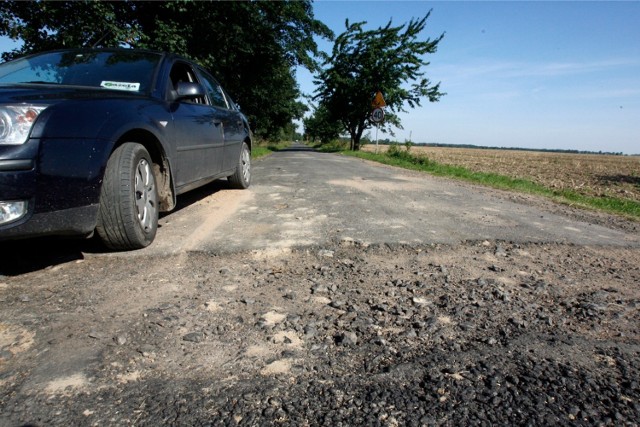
x,y
481,333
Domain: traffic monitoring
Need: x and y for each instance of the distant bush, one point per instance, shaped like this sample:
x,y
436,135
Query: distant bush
x,y
396,152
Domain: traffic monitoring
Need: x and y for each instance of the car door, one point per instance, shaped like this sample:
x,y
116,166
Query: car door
x,y
233,129
199,133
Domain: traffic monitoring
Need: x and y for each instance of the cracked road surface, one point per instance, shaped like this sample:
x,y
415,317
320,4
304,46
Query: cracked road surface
x,y
333,292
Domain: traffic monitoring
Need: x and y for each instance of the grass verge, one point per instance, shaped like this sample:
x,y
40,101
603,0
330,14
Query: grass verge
x,y
397,157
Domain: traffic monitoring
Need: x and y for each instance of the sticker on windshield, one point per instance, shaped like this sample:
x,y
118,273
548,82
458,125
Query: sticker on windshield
x,y
120,86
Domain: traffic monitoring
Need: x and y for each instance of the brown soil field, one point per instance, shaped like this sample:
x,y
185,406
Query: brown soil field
x,y
590,174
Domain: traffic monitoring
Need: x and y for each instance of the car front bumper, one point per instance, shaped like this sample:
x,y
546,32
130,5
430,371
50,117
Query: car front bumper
x,y
59,183
68,222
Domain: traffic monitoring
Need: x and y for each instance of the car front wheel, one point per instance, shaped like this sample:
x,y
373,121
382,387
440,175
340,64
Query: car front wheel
x,y
241,179
128,216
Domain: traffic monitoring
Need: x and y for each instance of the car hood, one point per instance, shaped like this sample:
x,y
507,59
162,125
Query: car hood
x,y
50,94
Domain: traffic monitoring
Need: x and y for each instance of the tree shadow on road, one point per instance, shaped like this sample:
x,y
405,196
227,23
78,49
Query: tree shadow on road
x,y
296,148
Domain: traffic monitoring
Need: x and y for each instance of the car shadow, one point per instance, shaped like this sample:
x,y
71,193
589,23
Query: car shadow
x,y
28,255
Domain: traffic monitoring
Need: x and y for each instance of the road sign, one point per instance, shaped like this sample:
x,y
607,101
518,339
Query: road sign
x,y
377,115
378,101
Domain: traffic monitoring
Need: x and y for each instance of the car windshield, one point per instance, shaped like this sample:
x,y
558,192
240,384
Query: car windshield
x,y
119,70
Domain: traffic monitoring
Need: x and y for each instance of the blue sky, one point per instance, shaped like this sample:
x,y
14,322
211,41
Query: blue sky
x,y
540,74
557,74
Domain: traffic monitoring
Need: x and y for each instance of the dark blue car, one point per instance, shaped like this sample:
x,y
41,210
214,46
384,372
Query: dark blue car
x,y
102,140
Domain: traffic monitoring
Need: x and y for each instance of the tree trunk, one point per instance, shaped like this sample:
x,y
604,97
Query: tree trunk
x,y
357,136
352,142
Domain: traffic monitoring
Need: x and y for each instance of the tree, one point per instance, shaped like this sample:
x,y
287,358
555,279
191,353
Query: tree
x,y
321,126
252,47
43,25
388,59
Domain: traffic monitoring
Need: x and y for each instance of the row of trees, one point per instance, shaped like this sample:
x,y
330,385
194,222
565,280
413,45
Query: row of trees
x,y
253,48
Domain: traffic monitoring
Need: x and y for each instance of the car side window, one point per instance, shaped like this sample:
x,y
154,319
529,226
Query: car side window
x,y
216,95
181,72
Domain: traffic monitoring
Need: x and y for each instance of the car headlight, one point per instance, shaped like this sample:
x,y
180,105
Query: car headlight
x,y
12,211
16,122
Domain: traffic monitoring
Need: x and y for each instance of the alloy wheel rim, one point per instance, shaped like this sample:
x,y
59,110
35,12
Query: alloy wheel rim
x,y
145,195
246,165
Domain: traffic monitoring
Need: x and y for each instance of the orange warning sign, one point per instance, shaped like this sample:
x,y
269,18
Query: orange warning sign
x,y
378,101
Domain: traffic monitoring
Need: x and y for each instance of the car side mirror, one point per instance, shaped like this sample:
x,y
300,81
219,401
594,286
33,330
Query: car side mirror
x,y
189,90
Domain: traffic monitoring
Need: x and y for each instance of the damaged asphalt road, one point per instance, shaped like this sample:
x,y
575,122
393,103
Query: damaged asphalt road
x,y
284,310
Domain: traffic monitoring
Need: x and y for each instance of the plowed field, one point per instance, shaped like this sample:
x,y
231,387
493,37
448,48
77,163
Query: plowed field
x,y
590,174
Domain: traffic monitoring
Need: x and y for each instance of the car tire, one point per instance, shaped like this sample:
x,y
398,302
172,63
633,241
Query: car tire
x,y
241,178
128,216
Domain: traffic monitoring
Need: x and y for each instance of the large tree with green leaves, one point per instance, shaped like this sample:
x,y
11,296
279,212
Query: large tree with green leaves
x,y
252,47
390,59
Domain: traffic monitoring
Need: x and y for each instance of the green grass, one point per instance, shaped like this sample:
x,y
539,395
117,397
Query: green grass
x,y
258,151
401,158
